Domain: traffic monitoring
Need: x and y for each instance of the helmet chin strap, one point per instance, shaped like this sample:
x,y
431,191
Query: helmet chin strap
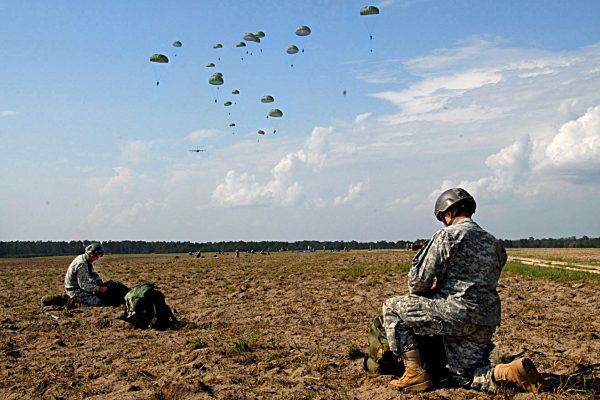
x,y
453,216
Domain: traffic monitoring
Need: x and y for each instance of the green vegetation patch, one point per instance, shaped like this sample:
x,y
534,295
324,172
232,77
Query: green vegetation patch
x,y
242,345
197,343
549,273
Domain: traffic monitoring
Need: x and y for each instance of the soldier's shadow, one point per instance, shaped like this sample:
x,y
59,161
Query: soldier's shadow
x,y
585,380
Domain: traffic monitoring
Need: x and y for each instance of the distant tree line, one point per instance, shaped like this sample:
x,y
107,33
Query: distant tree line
x,y
568,242
50,248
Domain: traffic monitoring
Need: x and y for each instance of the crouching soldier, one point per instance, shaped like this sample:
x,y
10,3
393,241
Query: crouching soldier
x,y
82,284
452,294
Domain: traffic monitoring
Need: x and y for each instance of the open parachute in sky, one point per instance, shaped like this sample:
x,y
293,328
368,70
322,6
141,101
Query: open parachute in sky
x,y
251,37
217,46
367,11
227,103
216,79
235,91
177,43
276,113
159,58
259,34
267,99
292,49
210,65
303,30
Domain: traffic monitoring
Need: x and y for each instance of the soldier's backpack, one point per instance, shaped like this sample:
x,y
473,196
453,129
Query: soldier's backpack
x,y
145,308
380,359
114,295
383,361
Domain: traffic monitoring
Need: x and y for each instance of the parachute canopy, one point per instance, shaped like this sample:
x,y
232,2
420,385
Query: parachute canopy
x,y
177,43
231,124
267,99
218,74
235,91
159,58
251,37
217,46
215,80
292,49
261,132
276,113
227,103
240,44
369,10
210,65
303,30
259,34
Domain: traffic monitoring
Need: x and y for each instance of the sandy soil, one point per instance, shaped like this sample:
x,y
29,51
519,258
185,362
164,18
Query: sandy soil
x,y
302,316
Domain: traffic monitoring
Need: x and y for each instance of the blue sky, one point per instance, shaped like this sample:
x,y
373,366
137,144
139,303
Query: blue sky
x,y
502,98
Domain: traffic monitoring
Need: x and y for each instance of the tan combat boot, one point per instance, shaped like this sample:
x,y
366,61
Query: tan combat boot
x,y
521,372
415,377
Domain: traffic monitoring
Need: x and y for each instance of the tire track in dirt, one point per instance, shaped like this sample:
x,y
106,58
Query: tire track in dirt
x,y
593,269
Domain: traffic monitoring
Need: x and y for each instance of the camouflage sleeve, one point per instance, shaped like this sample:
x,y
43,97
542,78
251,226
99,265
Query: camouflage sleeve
x,y
502,256
86,280
428,264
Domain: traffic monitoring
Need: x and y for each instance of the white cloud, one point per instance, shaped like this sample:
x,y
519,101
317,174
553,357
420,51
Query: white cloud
x,y
243,189
575,150
7,113
120,182
136,151
362,118
317,146
203,134
354,192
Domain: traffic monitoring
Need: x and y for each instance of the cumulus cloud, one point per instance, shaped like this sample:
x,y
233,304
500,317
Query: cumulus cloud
x,y
243,189
120,182
573,154
575,150
354,192
122,199
509,168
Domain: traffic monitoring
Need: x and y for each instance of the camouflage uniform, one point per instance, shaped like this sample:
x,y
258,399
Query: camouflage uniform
x,y
81,282
464,262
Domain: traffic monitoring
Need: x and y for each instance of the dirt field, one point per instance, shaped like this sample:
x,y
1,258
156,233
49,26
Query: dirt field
x,y
279,326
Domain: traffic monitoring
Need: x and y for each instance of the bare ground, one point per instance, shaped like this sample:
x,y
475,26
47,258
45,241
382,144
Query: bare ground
x,y
302,318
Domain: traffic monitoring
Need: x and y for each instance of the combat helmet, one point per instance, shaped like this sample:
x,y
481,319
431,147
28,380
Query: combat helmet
x,y
451,198
94,249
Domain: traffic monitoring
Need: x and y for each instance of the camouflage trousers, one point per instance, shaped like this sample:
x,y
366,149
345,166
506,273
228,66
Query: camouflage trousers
x,y
85,298
467,346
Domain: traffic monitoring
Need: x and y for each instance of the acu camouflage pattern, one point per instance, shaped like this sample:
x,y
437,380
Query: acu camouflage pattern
x,y
81,282
464,262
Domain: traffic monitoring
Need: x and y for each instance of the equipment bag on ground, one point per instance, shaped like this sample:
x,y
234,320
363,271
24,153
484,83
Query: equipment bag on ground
x,y
383,361
145,308
114,295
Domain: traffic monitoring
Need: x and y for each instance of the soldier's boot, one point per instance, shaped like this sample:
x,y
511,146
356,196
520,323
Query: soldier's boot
x,y
521,372
415,377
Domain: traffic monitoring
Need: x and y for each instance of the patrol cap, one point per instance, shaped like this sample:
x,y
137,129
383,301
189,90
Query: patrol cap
x,y
94,248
